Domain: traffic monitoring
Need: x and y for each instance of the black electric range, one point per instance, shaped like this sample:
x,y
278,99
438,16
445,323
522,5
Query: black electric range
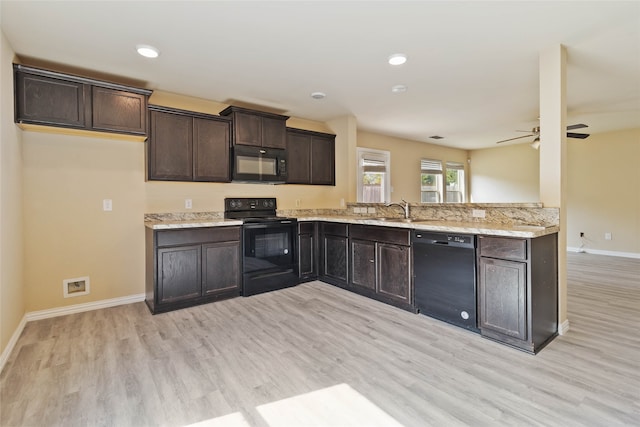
x,y
269,244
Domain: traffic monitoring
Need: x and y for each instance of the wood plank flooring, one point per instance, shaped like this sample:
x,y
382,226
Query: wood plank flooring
x,y
317,355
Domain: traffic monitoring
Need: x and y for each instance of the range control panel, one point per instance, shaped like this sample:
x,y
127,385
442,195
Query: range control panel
x,y
249,204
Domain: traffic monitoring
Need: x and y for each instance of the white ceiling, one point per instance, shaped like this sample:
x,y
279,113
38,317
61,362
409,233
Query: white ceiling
x,y
472,73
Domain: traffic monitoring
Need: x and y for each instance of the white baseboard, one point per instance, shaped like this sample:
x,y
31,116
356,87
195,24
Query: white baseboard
x,y
63,311
79,308
12,342
563,327
601,252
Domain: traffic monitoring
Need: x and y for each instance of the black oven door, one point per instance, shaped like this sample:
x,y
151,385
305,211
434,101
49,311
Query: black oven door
x,y
269,259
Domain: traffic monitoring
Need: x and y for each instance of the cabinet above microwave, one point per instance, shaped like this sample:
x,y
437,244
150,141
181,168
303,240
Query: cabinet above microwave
x,y
257,128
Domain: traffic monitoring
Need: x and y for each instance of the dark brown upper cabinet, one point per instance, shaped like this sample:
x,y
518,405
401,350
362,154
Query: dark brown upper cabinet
x,y
311,157
50,98
257,128
187,146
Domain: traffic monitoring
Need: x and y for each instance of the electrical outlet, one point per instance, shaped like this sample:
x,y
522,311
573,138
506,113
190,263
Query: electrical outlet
x,y
107,205
297,203
188,203
478,213
607,236
342,203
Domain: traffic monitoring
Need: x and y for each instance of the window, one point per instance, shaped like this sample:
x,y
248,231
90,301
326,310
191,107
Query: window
x,y
454,190
430,181
373,176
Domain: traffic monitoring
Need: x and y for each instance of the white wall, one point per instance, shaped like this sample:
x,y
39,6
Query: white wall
x,y
604,192
505,174
603,187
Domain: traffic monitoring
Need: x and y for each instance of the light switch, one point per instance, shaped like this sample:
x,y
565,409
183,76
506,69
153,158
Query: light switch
x,y
107,205
188,204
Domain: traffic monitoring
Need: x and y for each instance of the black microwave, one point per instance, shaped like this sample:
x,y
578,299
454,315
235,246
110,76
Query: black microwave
x,y
258,164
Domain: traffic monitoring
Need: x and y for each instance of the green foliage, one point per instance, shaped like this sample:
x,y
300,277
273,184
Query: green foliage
x,y
372,178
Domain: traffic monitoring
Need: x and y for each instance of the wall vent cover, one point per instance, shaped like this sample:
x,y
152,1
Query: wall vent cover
x,y
76,287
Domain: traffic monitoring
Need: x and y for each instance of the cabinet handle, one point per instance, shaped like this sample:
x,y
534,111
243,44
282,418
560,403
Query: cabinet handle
x,y
371,260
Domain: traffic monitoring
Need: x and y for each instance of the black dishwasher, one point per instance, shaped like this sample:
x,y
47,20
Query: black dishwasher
x,y
444,265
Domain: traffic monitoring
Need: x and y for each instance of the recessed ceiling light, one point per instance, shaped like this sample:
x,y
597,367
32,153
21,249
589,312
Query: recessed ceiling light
x,y
397,59
398,88
147,51
318,95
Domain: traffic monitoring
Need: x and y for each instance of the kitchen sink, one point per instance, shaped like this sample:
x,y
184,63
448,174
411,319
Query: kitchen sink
x,y
401,219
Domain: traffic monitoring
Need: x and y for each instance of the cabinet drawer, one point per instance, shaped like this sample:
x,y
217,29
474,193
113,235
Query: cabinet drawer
x,y
197,235
504,248
306,227
381,234
336,229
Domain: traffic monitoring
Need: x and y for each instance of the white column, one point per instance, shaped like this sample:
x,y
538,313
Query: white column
x,y
553,162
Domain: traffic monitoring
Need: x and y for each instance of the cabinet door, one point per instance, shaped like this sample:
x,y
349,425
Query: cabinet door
x,y
211,150
179,276
502,294
306,255
335,258
247,129
221,267
170,147
363,263
322,161
274,133
118,111
299,154
394,271
50,101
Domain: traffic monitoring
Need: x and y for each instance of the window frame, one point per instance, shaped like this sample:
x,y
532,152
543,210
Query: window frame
x,y
432,167
457,166
374,155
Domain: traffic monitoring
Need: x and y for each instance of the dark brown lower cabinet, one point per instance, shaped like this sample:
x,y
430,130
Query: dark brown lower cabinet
x,y
363,263
518,290
380,261
394,272
334,243
307,251
186,267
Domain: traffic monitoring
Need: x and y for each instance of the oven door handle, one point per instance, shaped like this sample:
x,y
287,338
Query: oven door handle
x,y
267,224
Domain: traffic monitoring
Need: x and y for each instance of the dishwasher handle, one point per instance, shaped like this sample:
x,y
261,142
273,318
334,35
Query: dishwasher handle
x,y
444,239
426,240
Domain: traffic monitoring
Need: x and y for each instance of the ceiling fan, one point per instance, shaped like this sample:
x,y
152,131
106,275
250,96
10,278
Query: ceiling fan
x,y
536,132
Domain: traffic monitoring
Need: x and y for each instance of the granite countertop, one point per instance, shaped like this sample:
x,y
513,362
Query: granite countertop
x,y
190,223
486,228
479,227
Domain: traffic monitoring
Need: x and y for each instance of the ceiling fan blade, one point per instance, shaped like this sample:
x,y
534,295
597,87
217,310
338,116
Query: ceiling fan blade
x,y
511,139
577,126
577,135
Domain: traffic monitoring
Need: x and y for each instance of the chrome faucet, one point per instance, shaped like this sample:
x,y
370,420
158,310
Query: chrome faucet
x,y
405,207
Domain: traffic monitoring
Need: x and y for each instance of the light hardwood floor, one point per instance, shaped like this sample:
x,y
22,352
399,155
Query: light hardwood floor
x,y
319,355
